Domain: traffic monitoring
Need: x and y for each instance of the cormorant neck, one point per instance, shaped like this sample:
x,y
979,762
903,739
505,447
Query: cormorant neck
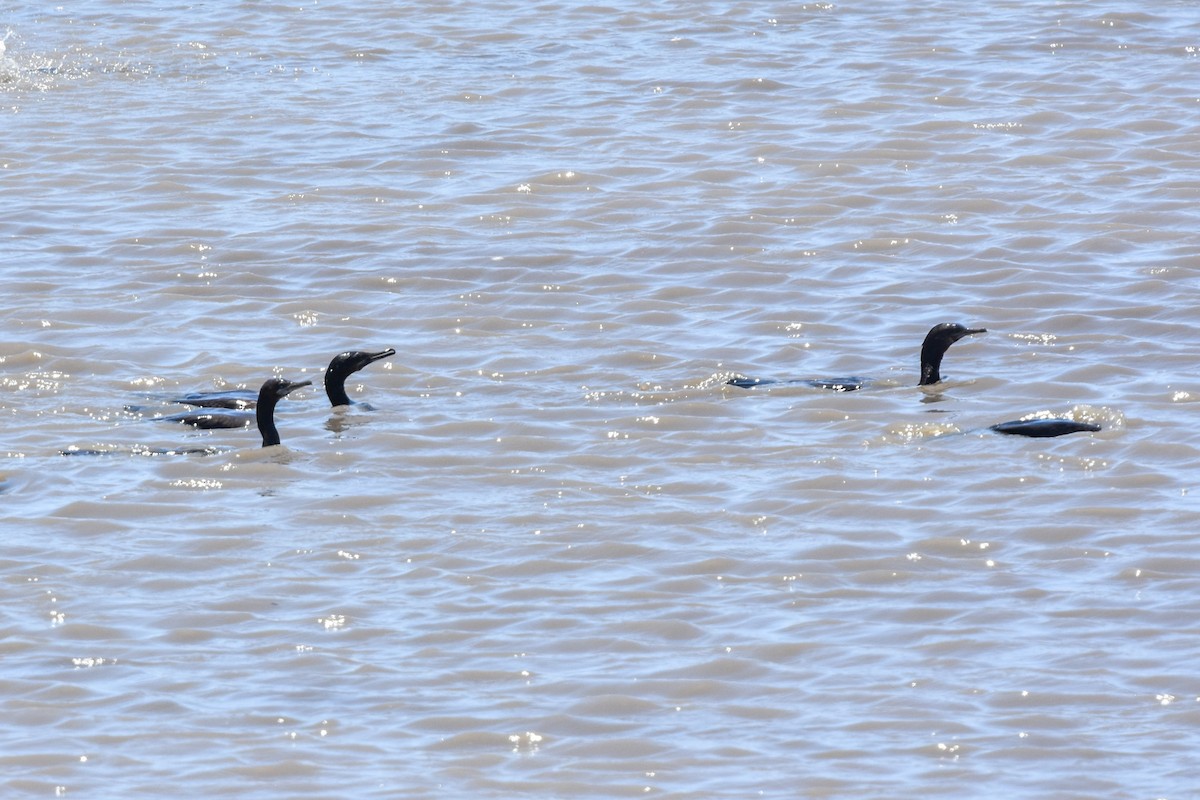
x,y
265,416
931,361
335,389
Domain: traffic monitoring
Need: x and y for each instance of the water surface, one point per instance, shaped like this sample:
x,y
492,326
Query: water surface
x,y
558,557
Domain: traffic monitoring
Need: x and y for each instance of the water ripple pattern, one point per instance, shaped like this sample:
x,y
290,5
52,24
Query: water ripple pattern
x,y
550,553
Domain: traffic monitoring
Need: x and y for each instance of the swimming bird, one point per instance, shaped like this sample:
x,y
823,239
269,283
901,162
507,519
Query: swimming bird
x,y
226,398
341,367
272,391
936,343
1043,428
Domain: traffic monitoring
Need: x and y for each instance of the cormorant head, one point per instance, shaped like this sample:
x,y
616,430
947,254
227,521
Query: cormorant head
x,y
278,388
937,341
352,361
343,366
950,332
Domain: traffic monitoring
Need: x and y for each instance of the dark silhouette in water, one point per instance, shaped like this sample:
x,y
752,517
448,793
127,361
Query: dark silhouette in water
x,y
272,391
239,399
212,418
340,368
343,366
936,343
1043,428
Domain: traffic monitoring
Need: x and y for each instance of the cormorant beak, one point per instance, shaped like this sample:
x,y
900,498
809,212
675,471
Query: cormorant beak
x,y
382,355
291,386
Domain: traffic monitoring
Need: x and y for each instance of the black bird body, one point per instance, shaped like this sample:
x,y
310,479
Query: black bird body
x,y
263,414
1043,428
214,417
230,398
936,343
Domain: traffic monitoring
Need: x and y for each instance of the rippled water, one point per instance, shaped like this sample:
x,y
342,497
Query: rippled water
x,y
556,556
